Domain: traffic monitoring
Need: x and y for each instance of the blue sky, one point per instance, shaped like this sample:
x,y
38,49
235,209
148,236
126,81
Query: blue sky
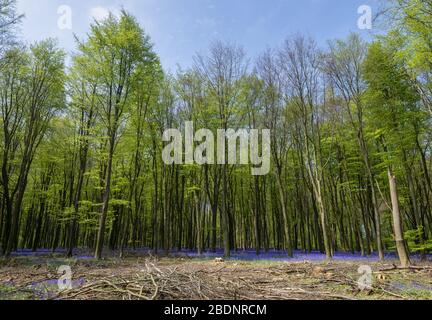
x,y
180,28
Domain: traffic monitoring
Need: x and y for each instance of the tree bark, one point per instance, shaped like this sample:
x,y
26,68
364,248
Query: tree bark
x,y
397,222
106,198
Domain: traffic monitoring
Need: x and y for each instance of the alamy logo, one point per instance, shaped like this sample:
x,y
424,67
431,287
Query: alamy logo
x,y
241,147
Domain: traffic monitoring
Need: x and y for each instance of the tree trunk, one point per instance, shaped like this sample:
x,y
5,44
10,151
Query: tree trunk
x,y
225,216
285,216
106,198
397,222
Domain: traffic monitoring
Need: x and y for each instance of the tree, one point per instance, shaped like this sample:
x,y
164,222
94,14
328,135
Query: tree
x,y
269,70
393,100
32,94
9,19
300,59
116,48
223,71
83,89
343,65
411,18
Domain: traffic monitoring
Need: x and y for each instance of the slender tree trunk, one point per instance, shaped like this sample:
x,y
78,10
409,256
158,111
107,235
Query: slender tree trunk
x,y
370,177
105,204
12,238
397,222
286,225
225,215
324,223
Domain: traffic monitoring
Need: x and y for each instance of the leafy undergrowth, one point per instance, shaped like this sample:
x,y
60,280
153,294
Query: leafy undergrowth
x,y
147,277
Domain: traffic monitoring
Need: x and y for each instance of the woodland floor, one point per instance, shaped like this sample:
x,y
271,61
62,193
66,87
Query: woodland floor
x,y
139,276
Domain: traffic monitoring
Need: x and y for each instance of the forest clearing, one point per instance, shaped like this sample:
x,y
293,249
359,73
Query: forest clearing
x,y
146,277
298,169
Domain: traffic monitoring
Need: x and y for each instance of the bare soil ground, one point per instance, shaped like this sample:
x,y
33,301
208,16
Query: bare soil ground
x,y
147,278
